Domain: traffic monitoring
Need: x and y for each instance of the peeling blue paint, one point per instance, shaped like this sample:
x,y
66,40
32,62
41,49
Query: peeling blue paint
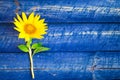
x,y
83,35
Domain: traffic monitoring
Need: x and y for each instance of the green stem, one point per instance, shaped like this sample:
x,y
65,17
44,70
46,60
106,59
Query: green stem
x,y
31,62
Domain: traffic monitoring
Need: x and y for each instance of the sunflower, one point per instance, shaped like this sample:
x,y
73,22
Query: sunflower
x,y
31,27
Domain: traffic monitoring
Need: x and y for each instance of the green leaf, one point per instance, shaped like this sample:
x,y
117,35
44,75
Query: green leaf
x,y
23,48
36,45
40,49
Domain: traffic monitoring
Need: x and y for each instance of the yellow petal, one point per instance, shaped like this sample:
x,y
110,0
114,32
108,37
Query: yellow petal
x,y
16,20
41,32
17,29
37,36
41,21
37,17
19,18
18,24
24,16
21,35
31,17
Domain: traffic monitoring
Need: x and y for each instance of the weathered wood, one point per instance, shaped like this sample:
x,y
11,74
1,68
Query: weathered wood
x,y
63,10
107,60
68,37
107,74
106,66
91,26
62,66
47,66
44,75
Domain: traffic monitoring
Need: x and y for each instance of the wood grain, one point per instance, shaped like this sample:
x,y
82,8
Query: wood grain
x,y
50,66
68,37
62,66
63,10
107,66
83,35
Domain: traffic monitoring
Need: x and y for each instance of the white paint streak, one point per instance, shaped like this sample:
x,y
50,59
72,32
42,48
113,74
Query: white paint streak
x,y
105,33
54,7
78,9
87,9
88,33
66,8
94,33
68,33
50,34
57,34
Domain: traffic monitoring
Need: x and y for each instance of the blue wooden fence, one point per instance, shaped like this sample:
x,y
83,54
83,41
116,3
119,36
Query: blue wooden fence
x,y
83,35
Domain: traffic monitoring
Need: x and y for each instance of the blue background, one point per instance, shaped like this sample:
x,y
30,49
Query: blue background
x,y
83,35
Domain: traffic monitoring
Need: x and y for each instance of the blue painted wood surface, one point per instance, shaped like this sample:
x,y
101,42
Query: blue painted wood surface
x,y
68,37
63,10
47,66
107,66
84,37
62,66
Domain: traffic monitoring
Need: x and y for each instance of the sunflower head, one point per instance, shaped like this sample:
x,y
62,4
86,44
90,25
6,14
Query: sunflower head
x,y
31,27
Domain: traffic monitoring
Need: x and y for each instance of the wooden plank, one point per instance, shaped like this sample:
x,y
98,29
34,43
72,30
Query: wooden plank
x,y
110,60
106,66
68,37
56,60
110,74
61,66
63,10
47,66
44,75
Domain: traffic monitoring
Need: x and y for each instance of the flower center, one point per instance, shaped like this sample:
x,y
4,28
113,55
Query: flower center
x,y
29,29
